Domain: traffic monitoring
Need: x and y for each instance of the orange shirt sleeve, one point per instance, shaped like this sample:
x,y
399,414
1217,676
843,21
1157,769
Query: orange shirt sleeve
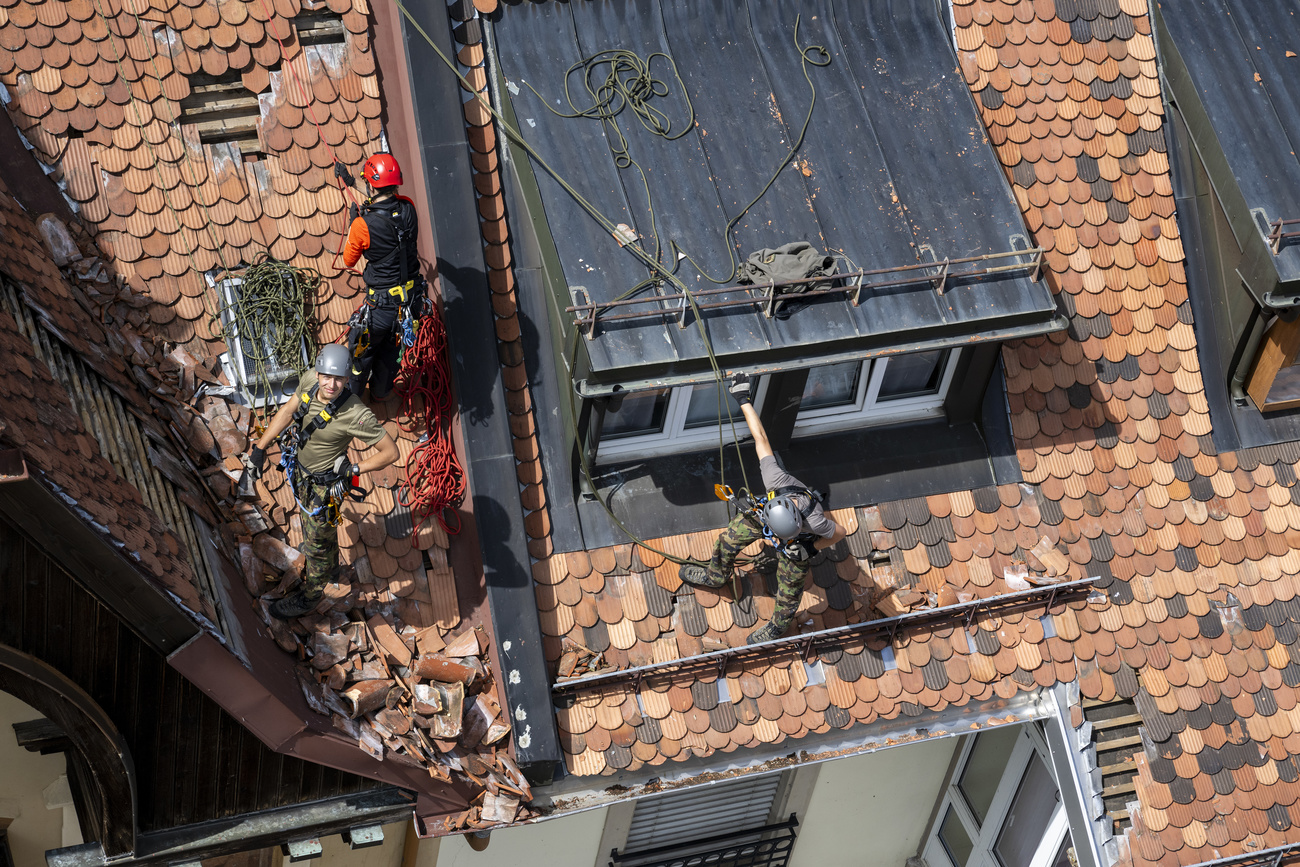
x,y
357,243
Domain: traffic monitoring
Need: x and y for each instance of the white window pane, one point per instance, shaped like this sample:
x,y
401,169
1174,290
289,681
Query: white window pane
x,y
955,839
703,407
913,374
1029,816
833,385
641,413
984,768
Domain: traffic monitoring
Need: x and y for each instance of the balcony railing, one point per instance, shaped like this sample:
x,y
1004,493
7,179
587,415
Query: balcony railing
x,y
772,848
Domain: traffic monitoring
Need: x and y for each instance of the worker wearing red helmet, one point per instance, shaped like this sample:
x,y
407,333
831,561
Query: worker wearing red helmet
x,y
385,231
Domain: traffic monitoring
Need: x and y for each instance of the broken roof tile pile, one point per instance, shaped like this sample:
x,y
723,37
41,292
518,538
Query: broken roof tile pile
x,y
1195,551
412,697
41,420
191,140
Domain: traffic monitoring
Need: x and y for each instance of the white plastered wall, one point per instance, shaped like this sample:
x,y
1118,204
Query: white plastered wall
x,y
27,777
569,842
873,809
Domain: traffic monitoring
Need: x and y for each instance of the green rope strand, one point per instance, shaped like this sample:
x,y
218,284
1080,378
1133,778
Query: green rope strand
x,y
273,316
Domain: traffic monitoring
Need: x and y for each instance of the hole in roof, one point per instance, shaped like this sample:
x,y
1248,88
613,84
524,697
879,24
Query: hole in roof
x,y
223,111
319,28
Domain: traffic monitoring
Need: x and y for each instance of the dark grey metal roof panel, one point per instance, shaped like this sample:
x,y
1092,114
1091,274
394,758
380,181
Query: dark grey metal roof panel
x,y
1235,53
889,163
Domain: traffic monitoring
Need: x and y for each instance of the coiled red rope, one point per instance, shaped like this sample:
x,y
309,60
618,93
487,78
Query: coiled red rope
x,y
435,480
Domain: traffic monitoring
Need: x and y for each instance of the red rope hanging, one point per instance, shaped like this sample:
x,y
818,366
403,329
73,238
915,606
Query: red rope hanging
x,y
435,481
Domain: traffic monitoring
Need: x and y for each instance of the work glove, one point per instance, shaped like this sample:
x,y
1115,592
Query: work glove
x,y
256,462
739,387
353,212
344,473
799,550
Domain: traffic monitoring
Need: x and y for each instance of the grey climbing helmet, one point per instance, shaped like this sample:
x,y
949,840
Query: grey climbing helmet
x,y
783,517
334,360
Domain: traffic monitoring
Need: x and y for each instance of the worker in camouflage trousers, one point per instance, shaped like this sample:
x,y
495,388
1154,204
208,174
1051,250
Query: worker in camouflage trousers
x,y
318,425
792,520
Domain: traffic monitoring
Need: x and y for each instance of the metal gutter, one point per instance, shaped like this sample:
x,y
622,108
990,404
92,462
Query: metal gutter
x,y
574,794
190,844
494,510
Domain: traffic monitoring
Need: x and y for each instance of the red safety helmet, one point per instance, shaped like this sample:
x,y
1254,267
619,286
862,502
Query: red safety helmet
x,y
382,170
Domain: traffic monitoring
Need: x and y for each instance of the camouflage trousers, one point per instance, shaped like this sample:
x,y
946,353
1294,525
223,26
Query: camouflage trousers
x,y
320,540
790,576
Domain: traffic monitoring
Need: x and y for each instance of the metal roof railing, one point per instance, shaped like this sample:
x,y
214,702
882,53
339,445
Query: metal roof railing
x,y
963,614
1279,237
676,304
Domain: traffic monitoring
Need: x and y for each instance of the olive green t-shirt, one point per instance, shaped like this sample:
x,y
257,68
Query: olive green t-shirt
x,y
353,420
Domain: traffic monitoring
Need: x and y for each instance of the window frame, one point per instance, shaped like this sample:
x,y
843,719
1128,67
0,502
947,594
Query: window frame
x,y
869,410
232,360
675,437
984,839
865,410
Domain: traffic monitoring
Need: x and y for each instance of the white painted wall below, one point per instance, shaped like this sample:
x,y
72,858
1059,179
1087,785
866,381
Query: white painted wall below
x,y
24,779
568,842
873,809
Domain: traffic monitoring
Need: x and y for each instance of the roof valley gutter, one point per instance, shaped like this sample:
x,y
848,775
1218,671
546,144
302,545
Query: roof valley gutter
x,y
497,515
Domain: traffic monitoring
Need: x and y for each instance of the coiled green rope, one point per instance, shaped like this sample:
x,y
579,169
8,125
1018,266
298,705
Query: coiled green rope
x,y
272,314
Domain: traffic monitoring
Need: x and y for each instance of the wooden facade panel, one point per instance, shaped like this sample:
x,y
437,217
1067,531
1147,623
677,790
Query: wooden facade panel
x,y
194,762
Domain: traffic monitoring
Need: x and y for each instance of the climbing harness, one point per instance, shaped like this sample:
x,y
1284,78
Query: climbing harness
x,y
294,437
751,507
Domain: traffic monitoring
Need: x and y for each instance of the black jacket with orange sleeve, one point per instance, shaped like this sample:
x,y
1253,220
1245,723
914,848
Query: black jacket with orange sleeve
x,y
386,232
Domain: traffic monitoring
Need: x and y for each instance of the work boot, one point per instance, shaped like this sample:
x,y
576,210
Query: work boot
x,y
296,604
694,574
765,633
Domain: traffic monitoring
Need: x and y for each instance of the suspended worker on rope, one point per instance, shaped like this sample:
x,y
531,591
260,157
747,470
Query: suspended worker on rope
x,y
790,518
318,424
385,230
